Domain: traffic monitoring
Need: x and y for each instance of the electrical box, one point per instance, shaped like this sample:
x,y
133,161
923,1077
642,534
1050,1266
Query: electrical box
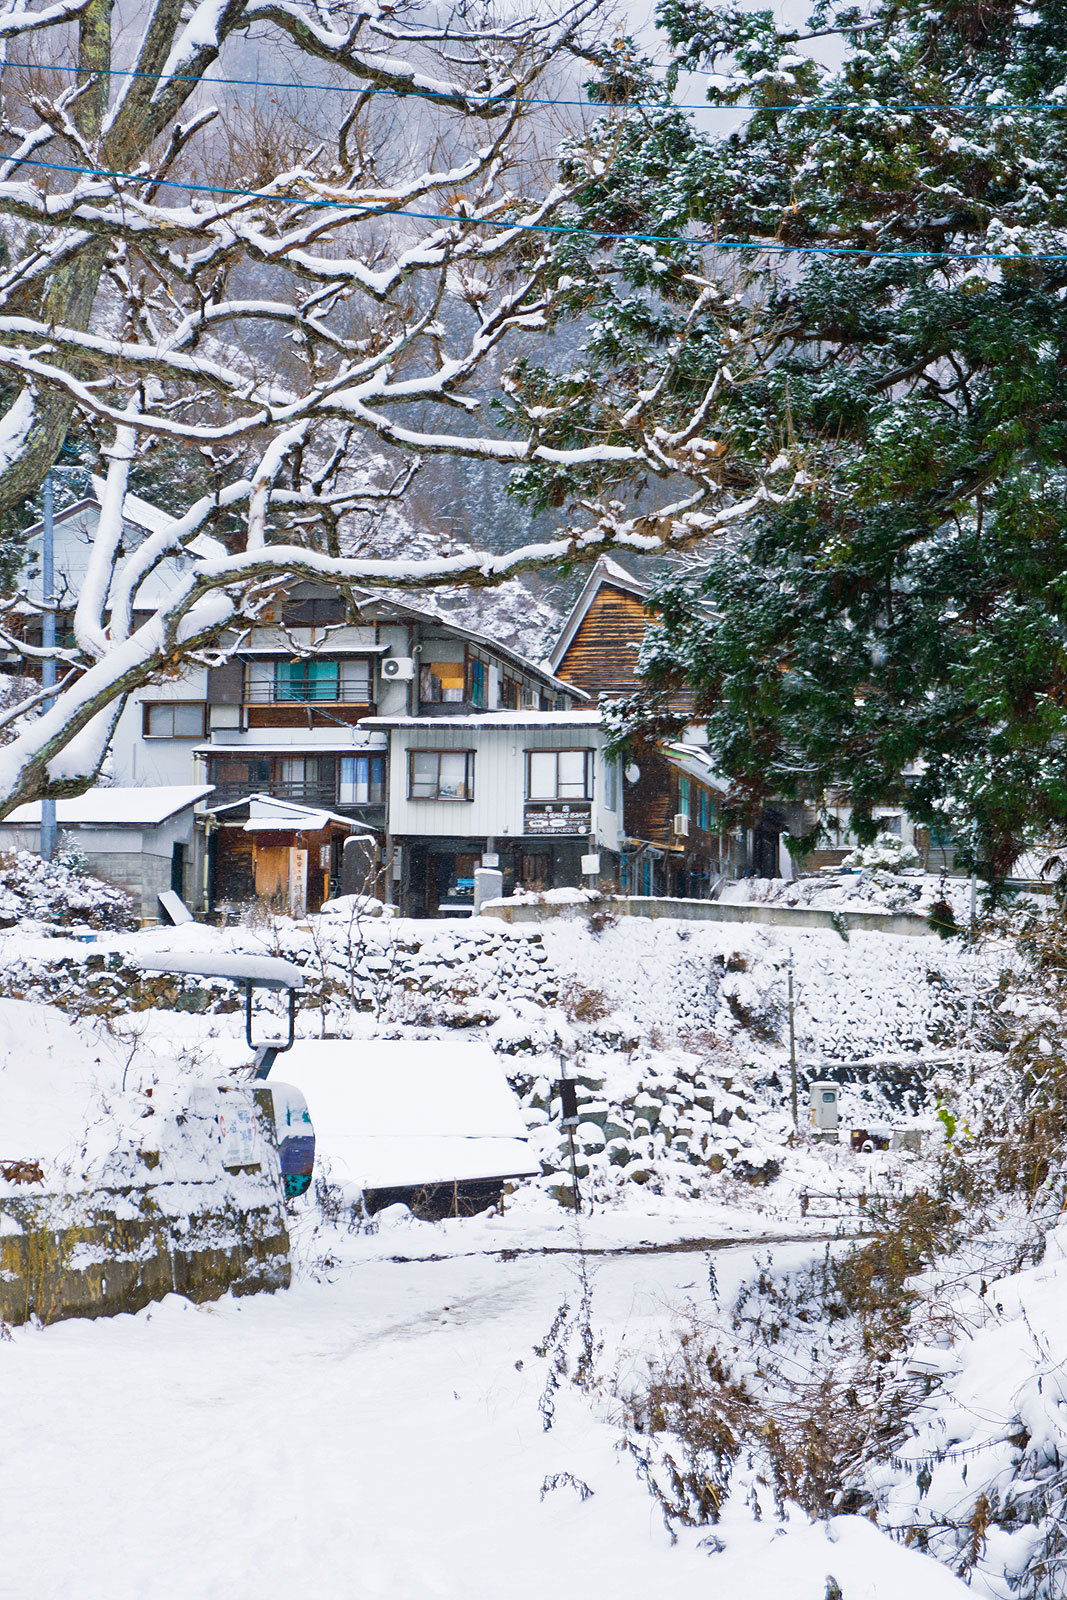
x,y
823,1098
398,669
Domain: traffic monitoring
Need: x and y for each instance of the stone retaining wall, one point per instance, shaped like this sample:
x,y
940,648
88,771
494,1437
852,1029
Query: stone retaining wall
x,y
100,1251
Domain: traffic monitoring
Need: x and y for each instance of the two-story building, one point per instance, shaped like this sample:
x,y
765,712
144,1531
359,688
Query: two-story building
x,y
448,749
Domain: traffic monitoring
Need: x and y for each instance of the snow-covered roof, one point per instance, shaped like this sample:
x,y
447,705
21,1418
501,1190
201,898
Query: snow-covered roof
x,y
136,513
395,1113
266,812
288,647
608,572
275,743
696,763
121,807
493,719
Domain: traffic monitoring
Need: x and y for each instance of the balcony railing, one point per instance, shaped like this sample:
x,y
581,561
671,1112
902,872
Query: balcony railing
x,y
304,794
331,692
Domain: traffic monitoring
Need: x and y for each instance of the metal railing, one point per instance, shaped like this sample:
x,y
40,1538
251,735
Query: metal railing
x,y
332,692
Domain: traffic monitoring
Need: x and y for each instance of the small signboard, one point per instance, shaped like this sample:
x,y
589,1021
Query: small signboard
x,y
298,883
237,1132
591,866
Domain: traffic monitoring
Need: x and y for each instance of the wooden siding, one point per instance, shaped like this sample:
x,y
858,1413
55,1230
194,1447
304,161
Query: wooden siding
x,y
649,804
307,715
234,875
602,656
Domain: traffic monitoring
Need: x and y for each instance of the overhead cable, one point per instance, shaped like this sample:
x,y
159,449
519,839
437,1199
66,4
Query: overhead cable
x,y
452,218
429,92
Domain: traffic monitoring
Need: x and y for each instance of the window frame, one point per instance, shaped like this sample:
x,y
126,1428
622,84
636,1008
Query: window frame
x,y
148,706
459,675
588,783
373,760
468,778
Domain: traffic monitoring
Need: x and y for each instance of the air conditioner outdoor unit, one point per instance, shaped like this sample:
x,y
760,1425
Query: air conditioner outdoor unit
x,y
399,668
681,825
530,700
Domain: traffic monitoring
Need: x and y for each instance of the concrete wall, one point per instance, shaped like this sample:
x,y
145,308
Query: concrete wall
x,y
134,759
772,916
133,858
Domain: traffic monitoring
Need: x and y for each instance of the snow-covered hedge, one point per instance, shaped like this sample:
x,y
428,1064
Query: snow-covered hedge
x,y
886,854
59,892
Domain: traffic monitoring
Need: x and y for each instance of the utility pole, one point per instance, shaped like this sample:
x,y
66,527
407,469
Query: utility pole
x,y
48,665
792,1049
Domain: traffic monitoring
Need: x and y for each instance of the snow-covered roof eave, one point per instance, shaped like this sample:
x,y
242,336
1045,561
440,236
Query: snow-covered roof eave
x,y
493,719
696,763
308,745
292,815
139,806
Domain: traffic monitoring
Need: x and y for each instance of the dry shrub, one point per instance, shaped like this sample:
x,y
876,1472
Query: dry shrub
x,y
806,1428
582,1004
870,1284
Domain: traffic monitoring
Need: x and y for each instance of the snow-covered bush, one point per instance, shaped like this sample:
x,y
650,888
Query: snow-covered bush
x,y
58,891
886,854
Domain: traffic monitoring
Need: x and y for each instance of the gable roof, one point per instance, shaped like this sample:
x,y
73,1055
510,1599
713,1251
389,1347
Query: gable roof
x,y
606,574
267,812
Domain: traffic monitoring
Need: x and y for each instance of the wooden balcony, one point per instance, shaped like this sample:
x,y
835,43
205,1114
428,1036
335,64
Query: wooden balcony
x,y
314,705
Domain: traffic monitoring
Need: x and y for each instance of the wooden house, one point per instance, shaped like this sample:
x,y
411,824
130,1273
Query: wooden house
x,y
674,842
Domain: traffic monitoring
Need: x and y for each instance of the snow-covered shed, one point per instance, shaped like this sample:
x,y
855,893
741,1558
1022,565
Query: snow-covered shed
x,y
144,840
430,1122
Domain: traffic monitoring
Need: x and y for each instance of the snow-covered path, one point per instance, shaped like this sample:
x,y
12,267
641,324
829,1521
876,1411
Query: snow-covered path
x,y
374,1436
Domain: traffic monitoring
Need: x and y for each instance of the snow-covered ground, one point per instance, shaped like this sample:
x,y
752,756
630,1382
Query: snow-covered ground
x,y
379,1429
379,1433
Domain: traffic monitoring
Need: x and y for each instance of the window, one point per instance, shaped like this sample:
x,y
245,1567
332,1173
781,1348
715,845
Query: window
x,y
611,784
362,781
306,680
559,774
509,694
314,678
479,677
230,773
317,613
441,775
308,776
705,809
174,719
442,680
683,796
